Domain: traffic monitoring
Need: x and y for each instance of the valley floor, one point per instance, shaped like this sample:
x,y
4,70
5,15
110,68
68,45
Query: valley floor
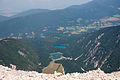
x,y
11,74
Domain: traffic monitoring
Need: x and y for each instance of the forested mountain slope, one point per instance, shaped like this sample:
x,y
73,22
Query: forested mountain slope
x,y
15,52
100,49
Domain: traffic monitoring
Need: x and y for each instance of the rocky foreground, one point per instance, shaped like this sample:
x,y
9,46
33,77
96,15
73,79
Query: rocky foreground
x,y
11,74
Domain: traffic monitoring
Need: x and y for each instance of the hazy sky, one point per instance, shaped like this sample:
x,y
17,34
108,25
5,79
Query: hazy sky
x,y
12,6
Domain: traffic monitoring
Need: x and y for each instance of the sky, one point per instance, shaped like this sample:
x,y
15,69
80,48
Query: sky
x,y
11,7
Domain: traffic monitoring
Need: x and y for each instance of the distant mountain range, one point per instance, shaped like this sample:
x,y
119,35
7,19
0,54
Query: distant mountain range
x,y
93,14
30,12
3,18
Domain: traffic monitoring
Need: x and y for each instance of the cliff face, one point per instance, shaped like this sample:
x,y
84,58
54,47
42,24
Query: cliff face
x,y
100,49
11,74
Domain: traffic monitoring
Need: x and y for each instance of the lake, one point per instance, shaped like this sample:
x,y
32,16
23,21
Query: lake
x,y
60,46
56,55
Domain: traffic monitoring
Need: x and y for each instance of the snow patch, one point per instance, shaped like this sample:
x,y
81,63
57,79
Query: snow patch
x,y
105,59
78,57
100,35
82,69
88,43
95,64
21,53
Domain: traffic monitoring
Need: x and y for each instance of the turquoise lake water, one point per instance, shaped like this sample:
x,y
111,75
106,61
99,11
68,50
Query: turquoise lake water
x,y
60,46
55,55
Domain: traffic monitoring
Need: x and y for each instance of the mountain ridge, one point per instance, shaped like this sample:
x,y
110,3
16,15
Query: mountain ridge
x,y
3,18
89,14
30,12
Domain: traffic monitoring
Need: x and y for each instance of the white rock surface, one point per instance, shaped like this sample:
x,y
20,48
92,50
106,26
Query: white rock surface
x,y
11,74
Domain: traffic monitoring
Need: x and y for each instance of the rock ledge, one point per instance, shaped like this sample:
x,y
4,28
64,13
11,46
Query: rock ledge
x,y
11,74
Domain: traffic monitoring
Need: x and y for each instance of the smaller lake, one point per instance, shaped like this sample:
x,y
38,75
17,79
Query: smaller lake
x,y
60,46
56,55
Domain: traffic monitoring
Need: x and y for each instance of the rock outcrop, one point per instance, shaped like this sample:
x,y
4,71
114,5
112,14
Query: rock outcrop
x,y
12,74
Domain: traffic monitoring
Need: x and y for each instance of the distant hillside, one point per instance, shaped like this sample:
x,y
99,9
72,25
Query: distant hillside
x,y
92,14
30,12
3,18
99,49
18,53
